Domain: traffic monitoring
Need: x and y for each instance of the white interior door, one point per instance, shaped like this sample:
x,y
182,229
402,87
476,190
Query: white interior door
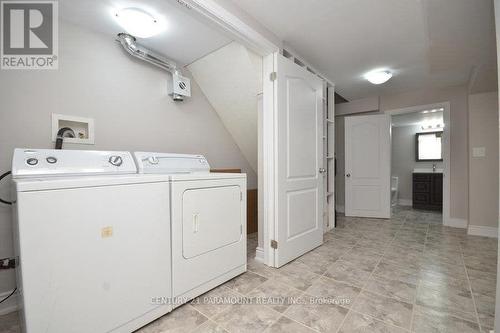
x,y
368,166
299,163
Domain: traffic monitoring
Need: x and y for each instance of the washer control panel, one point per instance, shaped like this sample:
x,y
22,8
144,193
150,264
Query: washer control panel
x,y
51,162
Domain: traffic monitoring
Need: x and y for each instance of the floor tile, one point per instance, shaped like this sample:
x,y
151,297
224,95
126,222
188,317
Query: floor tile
x,y
286,325
246,282
275,294
215,301
432,321
320,317
359,323
209,327
368,261
443,282
448,301
296,275
246,318
487,321
399,290
259,268
485,303
317,262
343,294
347,272
386,309
183,319
392,271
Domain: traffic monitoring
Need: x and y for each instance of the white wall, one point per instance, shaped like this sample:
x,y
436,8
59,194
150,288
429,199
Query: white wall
x,y
126,97
231,79
403,159
483,171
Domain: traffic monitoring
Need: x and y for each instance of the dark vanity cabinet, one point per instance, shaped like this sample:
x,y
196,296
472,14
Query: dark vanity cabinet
x,y
428,191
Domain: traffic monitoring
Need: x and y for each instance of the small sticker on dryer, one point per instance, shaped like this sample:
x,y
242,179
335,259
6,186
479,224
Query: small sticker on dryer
x,y
106,232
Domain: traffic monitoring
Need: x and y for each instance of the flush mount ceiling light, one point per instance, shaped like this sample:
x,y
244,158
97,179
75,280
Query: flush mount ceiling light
x,y
138,23
378,77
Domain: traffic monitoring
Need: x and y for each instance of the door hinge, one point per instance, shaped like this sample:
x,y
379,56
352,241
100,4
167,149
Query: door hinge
x,y
274,244
241,196
273,76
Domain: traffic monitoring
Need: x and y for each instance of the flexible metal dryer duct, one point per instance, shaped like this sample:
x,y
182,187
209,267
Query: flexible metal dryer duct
x,y
130,45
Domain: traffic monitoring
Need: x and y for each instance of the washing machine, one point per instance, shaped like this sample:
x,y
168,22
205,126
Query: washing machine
x,y
93,241
208,213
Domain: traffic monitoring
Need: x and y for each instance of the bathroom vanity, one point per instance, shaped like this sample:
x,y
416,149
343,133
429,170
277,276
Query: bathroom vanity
x,y
428,189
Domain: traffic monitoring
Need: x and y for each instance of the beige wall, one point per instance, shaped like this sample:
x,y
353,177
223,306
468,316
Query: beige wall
x,y
483,171
459,173
126,97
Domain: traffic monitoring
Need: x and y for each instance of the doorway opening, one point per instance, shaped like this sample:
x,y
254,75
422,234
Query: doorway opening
x,y
420,162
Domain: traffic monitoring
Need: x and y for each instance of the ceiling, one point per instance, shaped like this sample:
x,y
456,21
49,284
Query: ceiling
x,y
426,43
417,118
185,39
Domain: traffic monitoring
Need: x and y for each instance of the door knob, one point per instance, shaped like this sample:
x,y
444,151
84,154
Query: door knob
x,y
348,175
322,170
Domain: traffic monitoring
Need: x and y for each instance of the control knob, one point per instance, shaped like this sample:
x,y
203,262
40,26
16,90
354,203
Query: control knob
x,y
116,160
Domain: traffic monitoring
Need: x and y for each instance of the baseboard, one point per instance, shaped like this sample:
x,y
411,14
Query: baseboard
x,y
405,202
455,222
259,254
340,208
9,305
479,230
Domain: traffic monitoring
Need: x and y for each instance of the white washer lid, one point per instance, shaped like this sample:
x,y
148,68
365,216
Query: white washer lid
x,y
58,162
167,163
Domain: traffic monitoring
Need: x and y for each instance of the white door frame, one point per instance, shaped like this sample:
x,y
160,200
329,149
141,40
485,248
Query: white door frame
x,y
251,35
447,220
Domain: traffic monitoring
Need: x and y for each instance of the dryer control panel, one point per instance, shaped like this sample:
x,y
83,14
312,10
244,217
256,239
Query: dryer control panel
x,y
56,162
167,163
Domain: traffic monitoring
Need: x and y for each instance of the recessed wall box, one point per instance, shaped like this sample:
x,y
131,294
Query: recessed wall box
x,y
83,128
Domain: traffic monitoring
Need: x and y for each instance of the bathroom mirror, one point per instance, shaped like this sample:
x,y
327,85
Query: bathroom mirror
x,y
428,146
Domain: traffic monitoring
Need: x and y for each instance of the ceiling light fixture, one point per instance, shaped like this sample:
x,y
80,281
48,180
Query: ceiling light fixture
x,y
138,22
378,77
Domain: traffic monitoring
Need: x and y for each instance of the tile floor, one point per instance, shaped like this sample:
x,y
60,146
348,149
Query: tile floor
x,y
408,274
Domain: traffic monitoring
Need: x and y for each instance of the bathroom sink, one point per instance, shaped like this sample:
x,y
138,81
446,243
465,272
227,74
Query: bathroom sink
x,y
427,170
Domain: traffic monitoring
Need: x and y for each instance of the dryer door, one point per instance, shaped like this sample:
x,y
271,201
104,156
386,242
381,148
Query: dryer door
x,y
211,219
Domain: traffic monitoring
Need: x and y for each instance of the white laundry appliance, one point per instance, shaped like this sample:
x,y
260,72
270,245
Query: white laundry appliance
x,y
92,239
208,213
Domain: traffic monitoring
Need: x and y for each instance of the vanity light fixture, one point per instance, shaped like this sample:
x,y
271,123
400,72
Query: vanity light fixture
x,y
435,127
138,22
378,76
